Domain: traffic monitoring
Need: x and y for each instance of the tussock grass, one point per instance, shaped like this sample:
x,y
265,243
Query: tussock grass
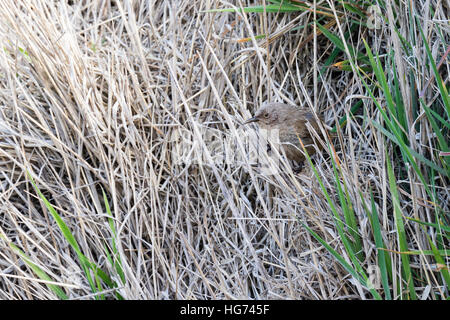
x,y
95,204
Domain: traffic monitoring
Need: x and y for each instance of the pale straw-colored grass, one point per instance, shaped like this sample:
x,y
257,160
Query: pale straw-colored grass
x,y
91,96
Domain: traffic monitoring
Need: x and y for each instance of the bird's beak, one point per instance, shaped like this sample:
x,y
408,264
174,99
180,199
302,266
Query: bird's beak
x,y
254,119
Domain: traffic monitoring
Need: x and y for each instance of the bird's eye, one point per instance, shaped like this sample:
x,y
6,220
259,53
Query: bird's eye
x,y
266,115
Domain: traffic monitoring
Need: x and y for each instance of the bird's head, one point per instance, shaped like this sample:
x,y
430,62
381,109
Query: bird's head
x,y
273,114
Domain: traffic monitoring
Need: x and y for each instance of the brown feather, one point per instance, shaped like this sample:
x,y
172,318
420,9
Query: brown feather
x,y
291,122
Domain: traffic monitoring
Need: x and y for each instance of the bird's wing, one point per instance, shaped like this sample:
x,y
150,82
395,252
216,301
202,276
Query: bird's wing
x,y
312,120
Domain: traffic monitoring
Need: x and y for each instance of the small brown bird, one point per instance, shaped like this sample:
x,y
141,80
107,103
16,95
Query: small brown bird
x,y
291,123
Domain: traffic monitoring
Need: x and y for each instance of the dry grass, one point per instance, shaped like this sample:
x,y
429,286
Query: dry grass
x,y
91,95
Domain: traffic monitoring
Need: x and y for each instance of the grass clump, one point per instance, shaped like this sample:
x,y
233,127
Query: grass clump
x,y
128,119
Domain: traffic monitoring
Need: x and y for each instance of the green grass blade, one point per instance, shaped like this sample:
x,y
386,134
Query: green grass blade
x,y
435,225
361,278
343,120
410,152
349,216
358,272
401,235
395,131
443,146
258,9
117,264
424,252
442,88
86,265
439,260
437,116
340,44
39,272
336,51
382,255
